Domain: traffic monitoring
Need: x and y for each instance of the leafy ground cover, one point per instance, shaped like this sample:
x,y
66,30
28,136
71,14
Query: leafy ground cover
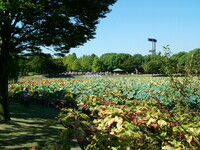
x,y
30,126
122,113
116,89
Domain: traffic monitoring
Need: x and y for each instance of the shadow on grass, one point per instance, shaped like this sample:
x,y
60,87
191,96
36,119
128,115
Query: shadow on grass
x,y
29,127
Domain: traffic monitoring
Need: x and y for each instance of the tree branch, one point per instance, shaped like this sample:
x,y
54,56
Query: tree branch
x,y
21,39
16,19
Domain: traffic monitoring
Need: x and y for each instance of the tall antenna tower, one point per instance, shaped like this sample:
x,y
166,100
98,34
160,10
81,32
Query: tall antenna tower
x,y
153,51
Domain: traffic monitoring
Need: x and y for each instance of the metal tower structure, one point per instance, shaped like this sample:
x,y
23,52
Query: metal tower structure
x,y
153,51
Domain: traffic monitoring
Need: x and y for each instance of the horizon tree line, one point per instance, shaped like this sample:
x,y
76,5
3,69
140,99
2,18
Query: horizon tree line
x,y
137,63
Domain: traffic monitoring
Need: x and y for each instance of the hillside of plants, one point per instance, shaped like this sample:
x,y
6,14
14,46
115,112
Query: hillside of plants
x,y
123,113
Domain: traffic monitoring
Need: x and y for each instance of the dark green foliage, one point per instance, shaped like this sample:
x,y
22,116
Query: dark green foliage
x,y
27,26
111,61
194,64
45,64
153,66
96,65
86,62
107,61
61,24
83,63
58,66
13,68
68,61
76,66
40,64
128,64
154,63
182,62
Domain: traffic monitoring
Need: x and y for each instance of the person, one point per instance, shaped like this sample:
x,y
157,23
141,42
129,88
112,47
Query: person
x,y
26,97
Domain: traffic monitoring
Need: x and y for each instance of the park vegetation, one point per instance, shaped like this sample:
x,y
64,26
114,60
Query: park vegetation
x,y
121,113
137,63
29,26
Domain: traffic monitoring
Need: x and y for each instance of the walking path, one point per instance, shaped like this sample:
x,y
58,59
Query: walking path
x,y
30,126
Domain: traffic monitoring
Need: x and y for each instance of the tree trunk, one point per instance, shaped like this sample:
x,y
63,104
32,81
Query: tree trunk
x,y
4,86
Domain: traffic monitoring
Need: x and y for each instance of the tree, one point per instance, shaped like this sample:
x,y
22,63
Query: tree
x,y
107,60
138,61
42,64
23,65
128,64
119,60
182,63
175,59
152,66
45,64
14,69
57,65
96,65
68,61
194,63
76,66
29,25
86,63
153,63
111,61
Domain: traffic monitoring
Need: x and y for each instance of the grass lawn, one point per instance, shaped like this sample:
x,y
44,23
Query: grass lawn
x,y
29,127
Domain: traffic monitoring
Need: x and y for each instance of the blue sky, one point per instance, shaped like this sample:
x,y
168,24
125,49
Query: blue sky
x,y
131,22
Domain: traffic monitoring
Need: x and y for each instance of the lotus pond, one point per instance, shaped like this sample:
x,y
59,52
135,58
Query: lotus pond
x,y
113,89
122,113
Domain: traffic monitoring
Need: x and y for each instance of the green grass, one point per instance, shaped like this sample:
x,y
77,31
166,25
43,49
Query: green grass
x,y
33,73
29,126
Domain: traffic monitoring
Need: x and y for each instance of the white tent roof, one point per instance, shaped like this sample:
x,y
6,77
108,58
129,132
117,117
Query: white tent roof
x,y
118,69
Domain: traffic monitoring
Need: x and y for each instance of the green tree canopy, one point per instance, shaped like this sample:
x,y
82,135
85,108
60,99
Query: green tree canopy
x,y
76,66
153,66
45,64
86,62
96,65
128,64
194,63
111,61
69,60
27,26
40,63
107,60
178,61
119,60
138,60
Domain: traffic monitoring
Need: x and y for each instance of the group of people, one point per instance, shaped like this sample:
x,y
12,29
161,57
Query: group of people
x,y
71,73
